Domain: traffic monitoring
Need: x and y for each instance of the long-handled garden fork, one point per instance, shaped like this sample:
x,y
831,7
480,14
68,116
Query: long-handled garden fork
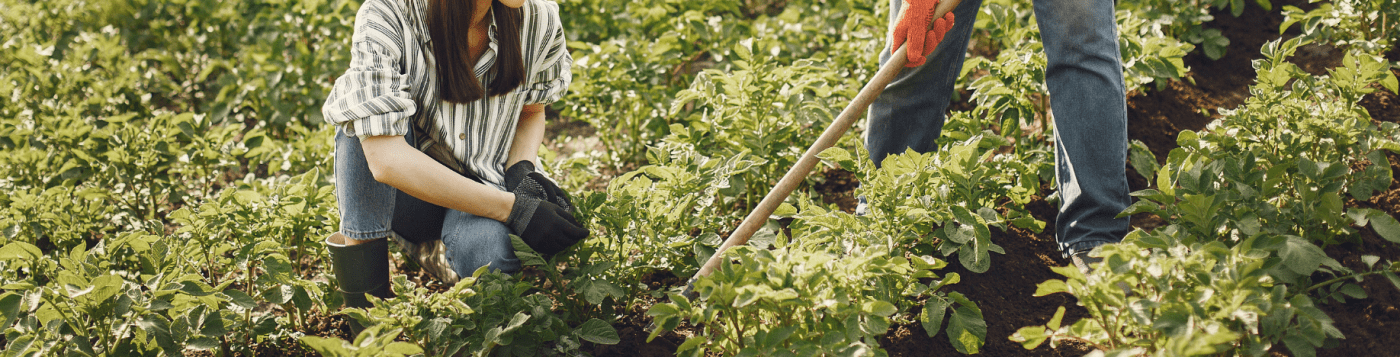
x,y
809,160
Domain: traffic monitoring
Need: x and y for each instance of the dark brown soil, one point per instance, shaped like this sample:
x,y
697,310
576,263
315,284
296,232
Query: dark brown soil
x,y
323,326
838,186
1156,116
1383,105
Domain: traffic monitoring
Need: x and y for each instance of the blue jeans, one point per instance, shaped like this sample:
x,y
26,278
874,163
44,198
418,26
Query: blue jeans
x,y
373,210
1085,78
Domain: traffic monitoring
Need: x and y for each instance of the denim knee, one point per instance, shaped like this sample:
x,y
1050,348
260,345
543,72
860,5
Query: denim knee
x,y
473,242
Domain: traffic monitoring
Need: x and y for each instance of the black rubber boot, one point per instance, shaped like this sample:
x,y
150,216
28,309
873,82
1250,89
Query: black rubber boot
x,y
360,269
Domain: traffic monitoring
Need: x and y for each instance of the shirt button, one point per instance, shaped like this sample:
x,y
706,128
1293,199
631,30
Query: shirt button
x,y
462,136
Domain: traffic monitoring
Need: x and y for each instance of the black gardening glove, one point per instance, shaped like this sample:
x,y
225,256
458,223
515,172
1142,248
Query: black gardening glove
x,y
522,178
549,227
545,227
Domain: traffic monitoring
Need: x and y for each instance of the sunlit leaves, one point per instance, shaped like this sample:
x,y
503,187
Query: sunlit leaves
x,y
805,300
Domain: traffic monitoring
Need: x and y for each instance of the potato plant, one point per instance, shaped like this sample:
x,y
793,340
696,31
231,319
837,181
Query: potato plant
x,y
1280,174
1202,299
1250,203
799,300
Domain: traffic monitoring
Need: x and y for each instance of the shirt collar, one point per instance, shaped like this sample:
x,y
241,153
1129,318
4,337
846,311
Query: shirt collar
x,y
488,57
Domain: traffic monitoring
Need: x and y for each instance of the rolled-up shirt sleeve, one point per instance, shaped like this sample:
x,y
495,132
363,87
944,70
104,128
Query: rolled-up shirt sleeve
x,y
551,63
372,98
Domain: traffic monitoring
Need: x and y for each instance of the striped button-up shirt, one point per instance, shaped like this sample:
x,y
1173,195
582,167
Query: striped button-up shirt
x,y
391,87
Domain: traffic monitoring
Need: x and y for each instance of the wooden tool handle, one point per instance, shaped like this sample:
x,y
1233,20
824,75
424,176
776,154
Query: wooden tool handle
x,y
809,160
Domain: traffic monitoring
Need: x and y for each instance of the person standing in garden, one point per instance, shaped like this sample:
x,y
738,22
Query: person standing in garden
x,y
1085,78
439,122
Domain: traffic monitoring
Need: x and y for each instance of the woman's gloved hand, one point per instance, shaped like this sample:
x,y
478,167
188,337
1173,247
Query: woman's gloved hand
x,y
546,227
542,215
923,32
522,177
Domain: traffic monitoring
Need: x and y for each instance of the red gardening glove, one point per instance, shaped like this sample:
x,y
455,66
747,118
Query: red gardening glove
x,y
914,25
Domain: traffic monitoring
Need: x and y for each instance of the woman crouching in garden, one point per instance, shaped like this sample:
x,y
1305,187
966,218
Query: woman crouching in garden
x,y
440,117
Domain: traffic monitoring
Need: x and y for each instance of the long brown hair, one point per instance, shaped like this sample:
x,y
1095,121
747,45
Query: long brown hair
x,y
448,22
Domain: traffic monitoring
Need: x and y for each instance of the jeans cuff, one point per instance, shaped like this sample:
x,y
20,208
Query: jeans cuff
x,y
366,235
1082,246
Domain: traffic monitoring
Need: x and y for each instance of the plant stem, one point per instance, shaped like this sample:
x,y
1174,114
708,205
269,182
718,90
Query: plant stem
x,y
209,259
1341,278
738,337
1103,322
116,338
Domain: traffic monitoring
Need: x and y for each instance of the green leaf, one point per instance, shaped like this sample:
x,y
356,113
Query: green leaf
x,y
597,331
20,250
10,305
746,296
964,216
22,343
966,329
527,255
158,327
663,310
1354,291
325,346
975,257
742,50
1142,160
838,157
203,343
1030,337
959,233
1034,225
1300,256
932,317
1385,226
1370,260
1054,323
1139,207
240,298
784,210
105,287
880,308
776,337
949,279
1185,138
1390,83
515,322
1050,287
690,343
765,236
1299,345
402,349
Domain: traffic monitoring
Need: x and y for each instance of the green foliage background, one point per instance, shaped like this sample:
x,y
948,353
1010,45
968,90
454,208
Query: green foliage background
x,y
167,185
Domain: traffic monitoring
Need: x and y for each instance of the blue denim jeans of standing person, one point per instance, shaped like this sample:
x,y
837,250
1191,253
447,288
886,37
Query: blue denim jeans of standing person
x,y
373,210
1085,78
